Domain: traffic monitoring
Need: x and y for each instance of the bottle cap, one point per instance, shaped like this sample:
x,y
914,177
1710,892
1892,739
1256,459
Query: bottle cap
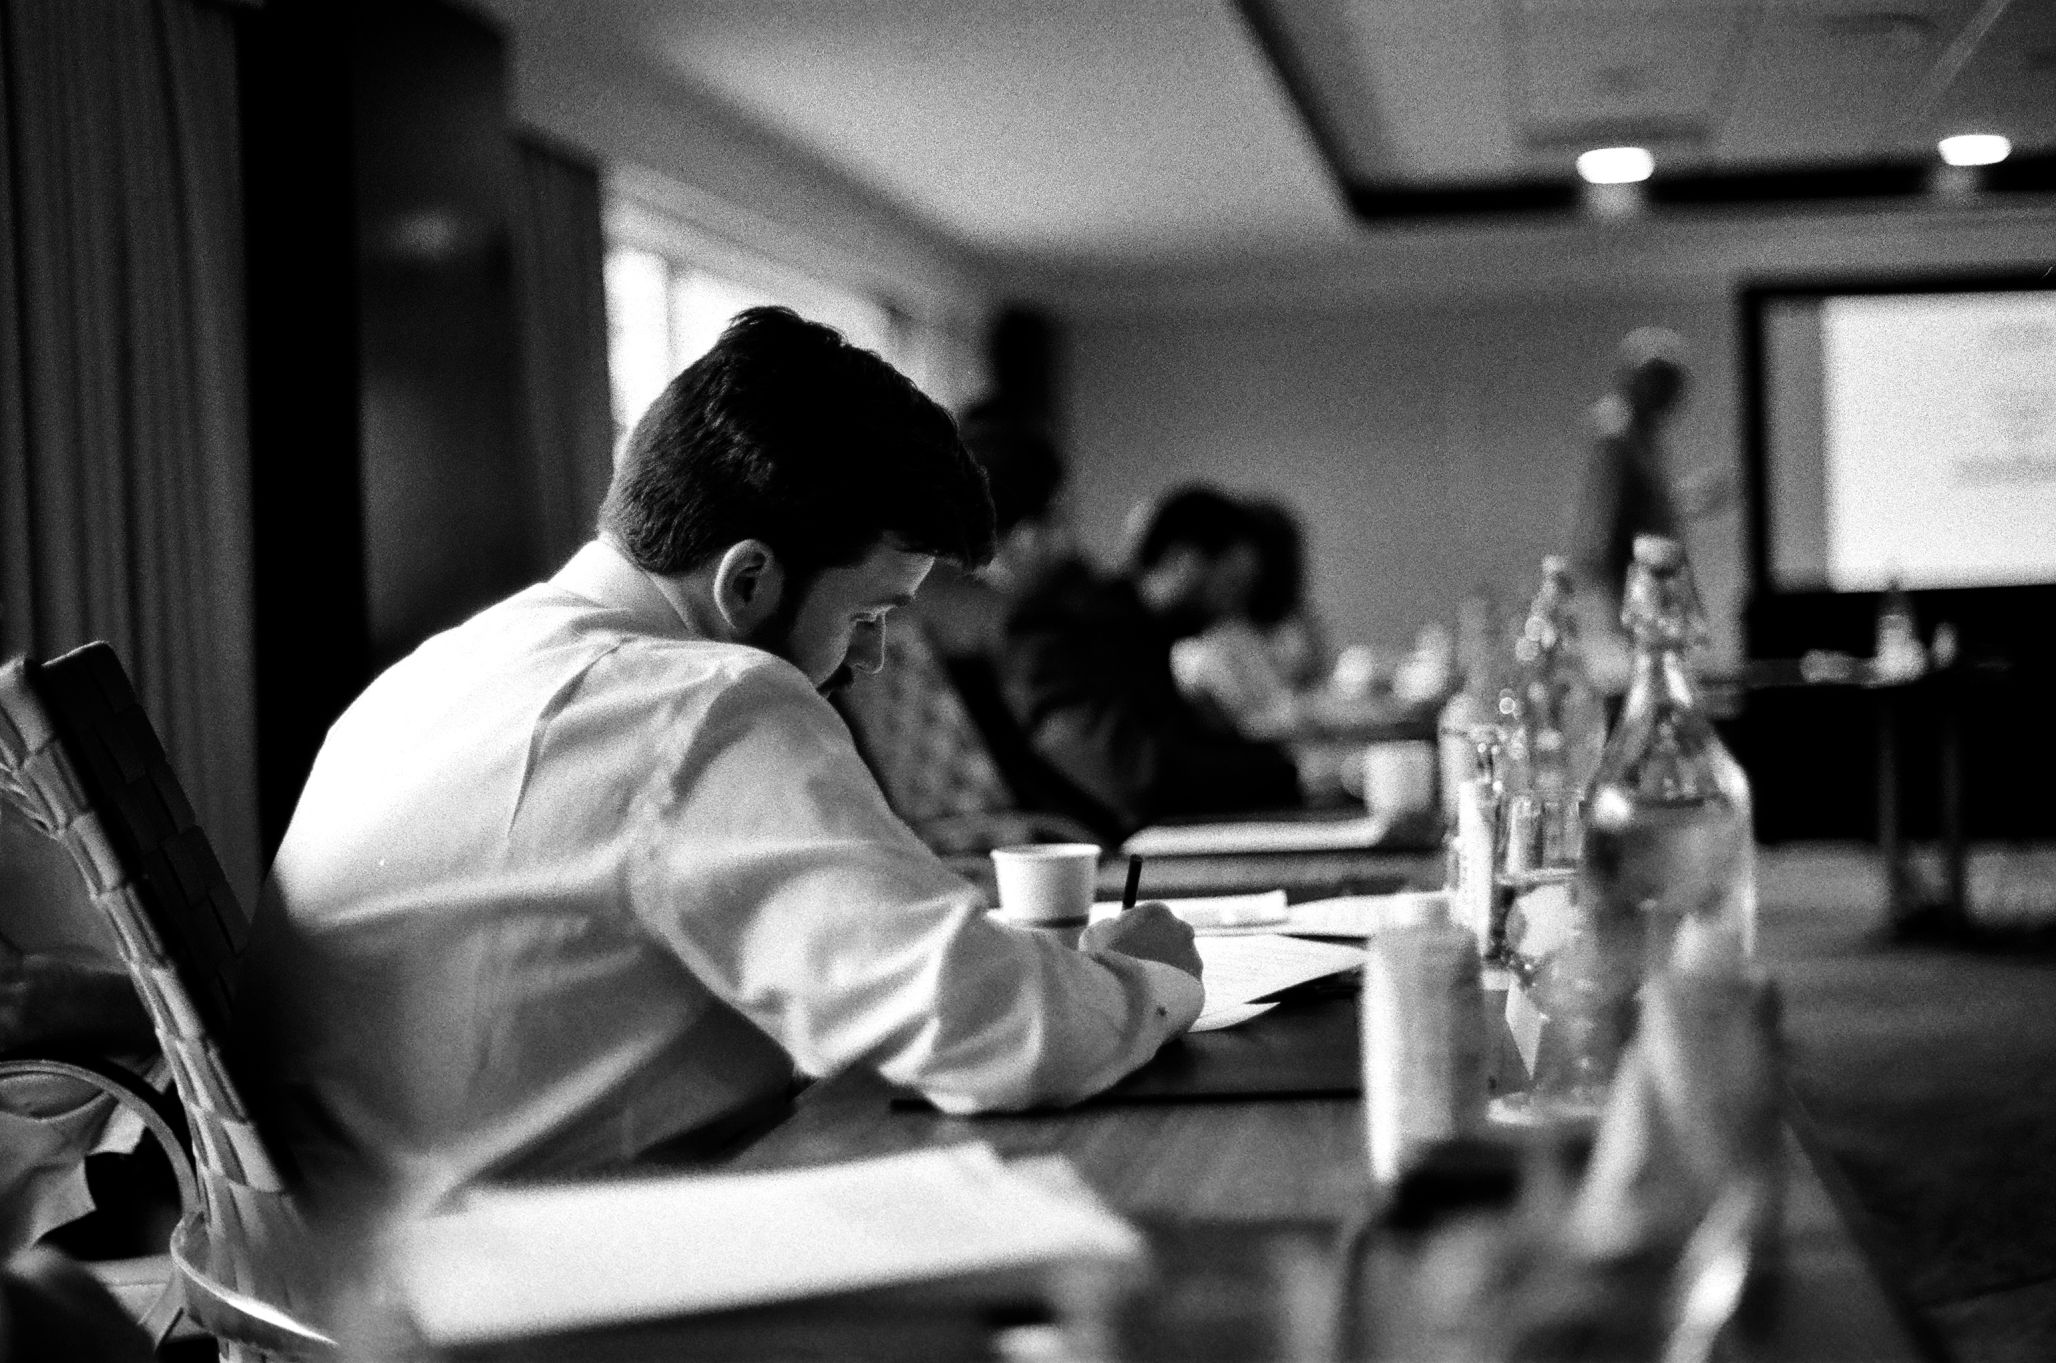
x,y
1661,605
1659,552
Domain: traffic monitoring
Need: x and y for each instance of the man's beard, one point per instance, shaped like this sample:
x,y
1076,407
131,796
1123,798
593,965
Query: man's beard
x,y
775,636
837,682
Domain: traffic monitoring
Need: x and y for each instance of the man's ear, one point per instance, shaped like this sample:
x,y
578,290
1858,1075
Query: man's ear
x,y
749,586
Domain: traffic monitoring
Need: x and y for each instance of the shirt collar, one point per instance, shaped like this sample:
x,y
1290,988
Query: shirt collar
x,y
601,573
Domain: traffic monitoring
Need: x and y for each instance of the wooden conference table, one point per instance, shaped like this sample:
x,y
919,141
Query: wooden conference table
x,y
1246,1202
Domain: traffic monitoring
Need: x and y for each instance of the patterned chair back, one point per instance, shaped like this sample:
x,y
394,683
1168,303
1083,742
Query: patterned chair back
x,y
79,755
918,737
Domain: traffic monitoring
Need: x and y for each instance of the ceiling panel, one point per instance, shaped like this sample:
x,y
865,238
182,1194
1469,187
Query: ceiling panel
x,y
1435,72
1120,130
1828,84
1483,105
1596,74
1015,126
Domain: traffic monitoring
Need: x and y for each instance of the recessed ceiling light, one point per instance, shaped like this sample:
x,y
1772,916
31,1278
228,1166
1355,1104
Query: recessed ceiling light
x,y
1615,165
1974,149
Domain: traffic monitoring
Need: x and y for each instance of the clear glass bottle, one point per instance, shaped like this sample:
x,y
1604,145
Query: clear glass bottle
x,y
1560,708
1480,650
1897,655
1668,868
1473,839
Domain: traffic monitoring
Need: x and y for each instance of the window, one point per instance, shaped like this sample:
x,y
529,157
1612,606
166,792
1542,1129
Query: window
x,y
681,262
663,313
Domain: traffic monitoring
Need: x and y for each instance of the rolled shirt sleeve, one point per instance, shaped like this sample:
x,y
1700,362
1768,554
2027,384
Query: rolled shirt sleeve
x,y
767,859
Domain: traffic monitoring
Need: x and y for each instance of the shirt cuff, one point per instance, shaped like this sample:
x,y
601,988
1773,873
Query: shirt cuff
x,y
1176,997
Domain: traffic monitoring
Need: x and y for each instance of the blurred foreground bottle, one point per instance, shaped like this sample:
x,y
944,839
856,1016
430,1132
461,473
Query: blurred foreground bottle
x,y
1668,872
1423,1021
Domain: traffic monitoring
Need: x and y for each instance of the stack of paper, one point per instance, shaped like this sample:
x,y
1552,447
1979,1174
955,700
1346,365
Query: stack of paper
x,y
1241,970
1352,916
508,1263
1221,913
1358,916
1275,835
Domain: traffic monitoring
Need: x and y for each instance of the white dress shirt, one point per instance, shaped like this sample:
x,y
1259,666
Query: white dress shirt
x,y
569,882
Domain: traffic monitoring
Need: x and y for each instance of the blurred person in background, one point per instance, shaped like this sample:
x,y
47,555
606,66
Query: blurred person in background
x,y
1264,668
1087,670
932,722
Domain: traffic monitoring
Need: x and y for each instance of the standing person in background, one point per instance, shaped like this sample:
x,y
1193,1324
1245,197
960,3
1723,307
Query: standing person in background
x,y
1633,487
1087,670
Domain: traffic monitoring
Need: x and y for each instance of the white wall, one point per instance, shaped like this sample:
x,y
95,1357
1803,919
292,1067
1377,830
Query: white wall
x,y
725,179
1422,399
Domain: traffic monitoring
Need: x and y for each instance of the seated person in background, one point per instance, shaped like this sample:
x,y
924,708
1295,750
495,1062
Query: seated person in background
x,y
586,879
932,722
963,611
1087,670
1262,668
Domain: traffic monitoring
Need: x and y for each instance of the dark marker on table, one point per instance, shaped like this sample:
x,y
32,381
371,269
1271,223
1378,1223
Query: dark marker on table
x,y
1134,882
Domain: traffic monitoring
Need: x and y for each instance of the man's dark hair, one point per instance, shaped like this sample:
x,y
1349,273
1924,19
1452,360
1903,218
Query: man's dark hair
x,y
1200,517
1281,564
1022,468
786,433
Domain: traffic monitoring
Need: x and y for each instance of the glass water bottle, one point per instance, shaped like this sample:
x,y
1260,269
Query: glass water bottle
x,y
1561,708
1668,871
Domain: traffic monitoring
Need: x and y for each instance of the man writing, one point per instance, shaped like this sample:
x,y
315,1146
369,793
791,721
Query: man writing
x,y
585,879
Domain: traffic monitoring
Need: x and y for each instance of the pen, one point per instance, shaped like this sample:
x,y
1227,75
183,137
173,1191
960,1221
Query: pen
x,y
1134,882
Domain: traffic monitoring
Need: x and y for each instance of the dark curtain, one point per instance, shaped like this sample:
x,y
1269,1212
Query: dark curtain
x,y
560,258
124,455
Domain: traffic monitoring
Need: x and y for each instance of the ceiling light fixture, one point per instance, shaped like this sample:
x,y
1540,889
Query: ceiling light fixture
x,y
1615,165
1974,149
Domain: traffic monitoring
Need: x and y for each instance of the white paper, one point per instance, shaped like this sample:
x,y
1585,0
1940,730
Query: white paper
x,y
1220,913
1524,1020
1241,970
1360,915
1229,1015
1278,835
1351,916
526,1261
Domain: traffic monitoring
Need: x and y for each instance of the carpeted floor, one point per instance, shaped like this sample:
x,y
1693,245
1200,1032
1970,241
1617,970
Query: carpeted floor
x,y
1930,1073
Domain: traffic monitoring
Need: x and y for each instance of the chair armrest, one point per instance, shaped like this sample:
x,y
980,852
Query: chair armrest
x,y
158,1116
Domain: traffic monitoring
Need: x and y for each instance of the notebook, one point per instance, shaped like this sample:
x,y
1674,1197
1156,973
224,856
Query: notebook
x,y
508,1263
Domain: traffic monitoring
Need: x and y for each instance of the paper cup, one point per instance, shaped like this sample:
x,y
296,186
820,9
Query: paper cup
x,y
1046,885
1399,778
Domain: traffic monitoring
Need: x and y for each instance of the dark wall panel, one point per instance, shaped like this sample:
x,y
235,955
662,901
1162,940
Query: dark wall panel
x,y
444,452
312,652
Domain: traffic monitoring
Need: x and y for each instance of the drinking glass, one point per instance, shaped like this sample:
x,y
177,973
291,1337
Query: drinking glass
x,y
1563,1006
